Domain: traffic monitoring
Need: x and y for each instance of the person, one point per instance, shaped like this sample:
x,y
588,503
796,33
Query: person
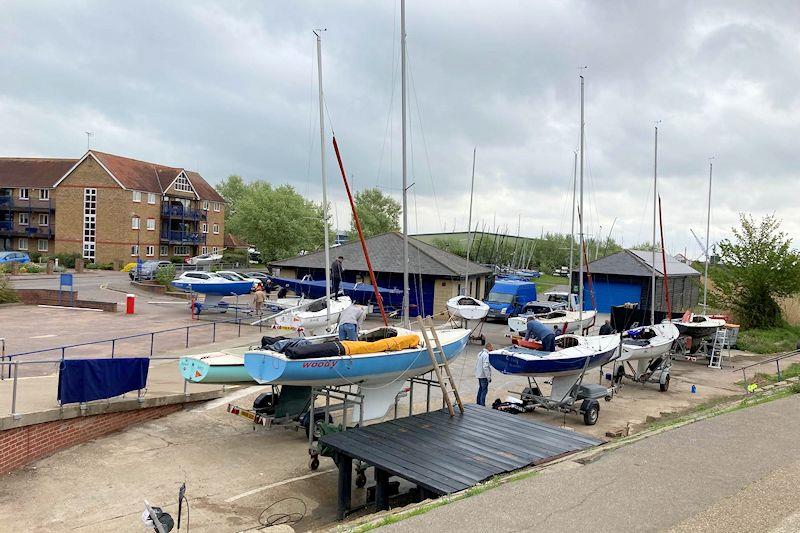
x,y
258,298
349,321
538,331
282,292
336,276
483,371
606,328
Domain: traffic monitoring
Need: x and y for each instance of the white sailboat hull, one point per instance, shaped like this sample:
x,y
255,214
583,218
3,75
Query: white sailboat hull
x,y
467,307
573,322
313,321
660,344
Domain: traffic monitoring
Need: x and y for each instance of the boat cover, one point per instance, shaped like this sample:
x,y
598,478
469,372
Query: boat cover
x,y
378,334
394,344
315,351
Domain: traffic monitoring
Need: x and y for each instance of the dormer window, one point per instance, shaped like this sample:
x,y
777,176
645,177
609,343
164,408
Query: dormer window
x,y
182,184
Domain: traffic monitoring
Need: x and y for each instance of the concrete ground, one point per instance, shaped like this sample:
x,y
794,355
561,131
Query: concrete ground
x,y
734,472
233,471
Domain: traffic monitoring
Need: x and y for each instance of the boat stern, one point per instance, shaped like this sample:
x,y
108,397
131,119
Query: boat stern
x,y
193,369
264,367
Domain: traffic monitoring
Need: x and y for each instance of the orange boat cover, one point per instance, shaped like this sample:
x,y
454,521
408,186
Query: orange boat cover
x,y
393,344
521,342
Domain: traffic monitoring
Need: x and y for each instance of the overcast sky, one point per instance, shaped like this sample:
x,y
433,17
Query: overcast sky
x,y
230,87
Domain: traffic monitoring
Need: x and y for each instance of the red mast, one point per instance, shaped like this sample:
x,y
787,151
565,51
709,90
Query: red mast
x,y
664,260
360,235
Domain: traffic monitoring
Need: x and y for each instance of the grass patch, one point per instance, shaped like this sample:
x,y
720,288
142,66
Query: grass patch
x,y
763,378
773,340
545,282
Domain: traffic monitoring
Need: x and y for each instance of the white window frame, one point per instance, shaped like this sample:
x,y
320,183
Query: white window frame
x,y
136,222
164,250
204,250
45,217
217,207
214,249
44,194
27,218
134,250
151,224
137,196
150,250
22,244
204,227
41,248
179,250
215,229
205,205
182,184
151,198
24,194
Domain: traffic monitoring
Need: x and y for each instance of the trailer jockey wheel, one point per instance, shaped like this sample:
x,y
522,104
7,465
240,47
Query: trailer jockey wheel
x,y
664,387
313,462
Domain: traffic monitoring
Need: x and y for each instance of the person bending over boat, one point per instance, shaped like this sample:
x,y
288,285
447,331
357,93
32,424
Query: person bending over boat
x,y
349,321
483,371
537,331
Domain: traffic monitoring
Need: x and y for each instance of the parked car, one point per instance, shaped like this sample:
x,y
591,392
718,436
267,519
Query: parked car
x,y
238,276
14,257
148,270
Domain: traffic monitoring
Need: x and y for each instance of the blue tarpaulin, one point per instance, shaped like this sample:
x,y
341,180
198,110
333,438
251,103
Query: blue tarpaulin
x,y
84,380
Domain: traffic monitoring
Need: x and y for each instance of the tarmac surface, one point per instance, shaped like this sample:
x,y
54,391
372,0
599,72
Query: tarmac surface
x,y
734,472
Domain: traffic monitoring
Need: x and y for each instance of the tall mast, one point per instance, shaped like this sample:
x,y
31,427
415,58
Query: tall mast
x,y
580,220
469,223
572,227
708,242
324,182
655,207
405,169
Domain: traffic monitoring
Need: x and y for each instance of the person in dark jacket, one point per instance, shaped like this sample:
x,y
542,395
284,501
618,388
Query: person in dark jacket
x,y
336,275
606,328
537,331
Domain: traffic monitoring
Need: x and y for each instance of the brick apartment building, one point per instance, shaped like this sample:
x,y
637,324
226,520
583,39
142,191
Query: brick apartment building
x,y
107,208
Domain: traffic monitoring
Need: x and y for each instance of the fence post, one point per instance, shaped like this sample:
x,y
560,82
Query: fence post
x,y
3,359
14,413
239,321
187,336
63,352
113,345
185,389
778,364
214,331
152,341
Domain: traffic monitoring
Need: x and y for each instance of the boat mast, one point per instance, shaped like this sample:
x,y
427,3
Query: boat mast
x,y
708,242
405,169
655,207
580,219
469,224
572,227
324,182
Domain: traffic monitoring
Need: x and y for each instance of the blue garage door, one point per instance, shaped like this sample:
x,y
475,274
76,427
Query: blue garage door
x,y
608,293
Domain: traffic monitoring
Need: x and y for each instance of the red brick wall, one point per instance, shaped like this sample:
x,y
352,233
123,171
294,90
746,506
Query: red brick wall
x,y
20,446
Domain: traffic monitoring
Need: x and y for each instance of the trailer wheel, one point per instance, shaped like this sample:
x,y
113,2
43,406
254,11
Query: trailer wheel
x,y
483,340
313,462
319,418
664,387
591,413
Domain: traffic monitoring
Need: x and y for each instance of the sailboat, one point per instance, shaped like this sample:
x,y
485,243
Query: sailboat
x,y
649,344
574,354
465,306
378,367
701,326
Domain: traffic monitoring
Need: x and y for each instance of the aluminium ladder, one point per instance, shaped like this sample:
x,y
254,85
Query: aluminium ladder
x,y
426,326
720,339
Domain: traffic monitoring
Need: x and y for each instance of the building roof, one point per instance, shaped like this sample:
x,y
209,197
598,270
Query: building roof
x,y
638,263
232,241
34,172
204,190
386,254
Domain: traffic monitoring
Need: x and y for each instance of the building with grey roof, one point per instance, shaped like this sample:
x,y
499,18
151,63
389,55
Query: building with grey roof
x,y
624,277
435,275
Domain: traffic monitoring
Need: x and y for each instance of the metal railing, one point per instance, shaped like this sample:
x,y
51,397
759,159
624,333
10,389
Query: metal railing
x,y
181,212
189,237
777,360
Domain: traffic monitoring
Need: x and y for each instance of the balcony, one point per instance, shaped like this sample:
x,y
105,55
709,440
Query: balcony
x,y
6,200
178,211
8,229
183,237
6,225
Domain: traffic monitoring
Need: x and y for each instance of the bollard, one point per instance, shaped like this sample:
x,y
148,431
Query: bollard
x,y
130,301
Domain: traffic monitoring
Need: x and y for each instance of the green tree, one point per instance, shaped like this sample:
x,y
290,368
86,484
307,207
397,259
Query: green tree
x,y
756,267
232,188
378,212
278,221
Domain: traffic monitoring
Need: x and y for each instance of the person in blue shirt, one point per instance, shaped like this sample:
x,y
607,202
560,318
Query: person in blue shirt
x,y
538,331
483,371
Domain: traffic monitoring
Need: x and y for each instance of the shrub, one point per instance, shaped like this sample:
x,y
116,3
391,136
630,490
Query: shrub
x,y
106,266
67,260
36,257
91,266
7,294
165,275
30,268
177,260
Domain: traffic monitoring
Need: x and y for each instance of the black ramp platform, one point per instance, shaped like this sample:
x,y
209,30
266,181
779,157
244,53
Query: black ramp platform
x,y
443,454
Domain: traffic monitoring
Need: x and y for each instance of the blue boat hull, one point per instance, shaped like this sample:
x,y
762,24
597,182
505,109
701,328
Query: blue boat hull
x,y
271,368
544,365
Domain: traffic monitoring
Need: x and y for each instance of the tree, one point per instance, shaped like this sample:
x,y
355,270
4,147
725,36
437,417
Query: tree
x,y
278,221
378,212
232,188
756,267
